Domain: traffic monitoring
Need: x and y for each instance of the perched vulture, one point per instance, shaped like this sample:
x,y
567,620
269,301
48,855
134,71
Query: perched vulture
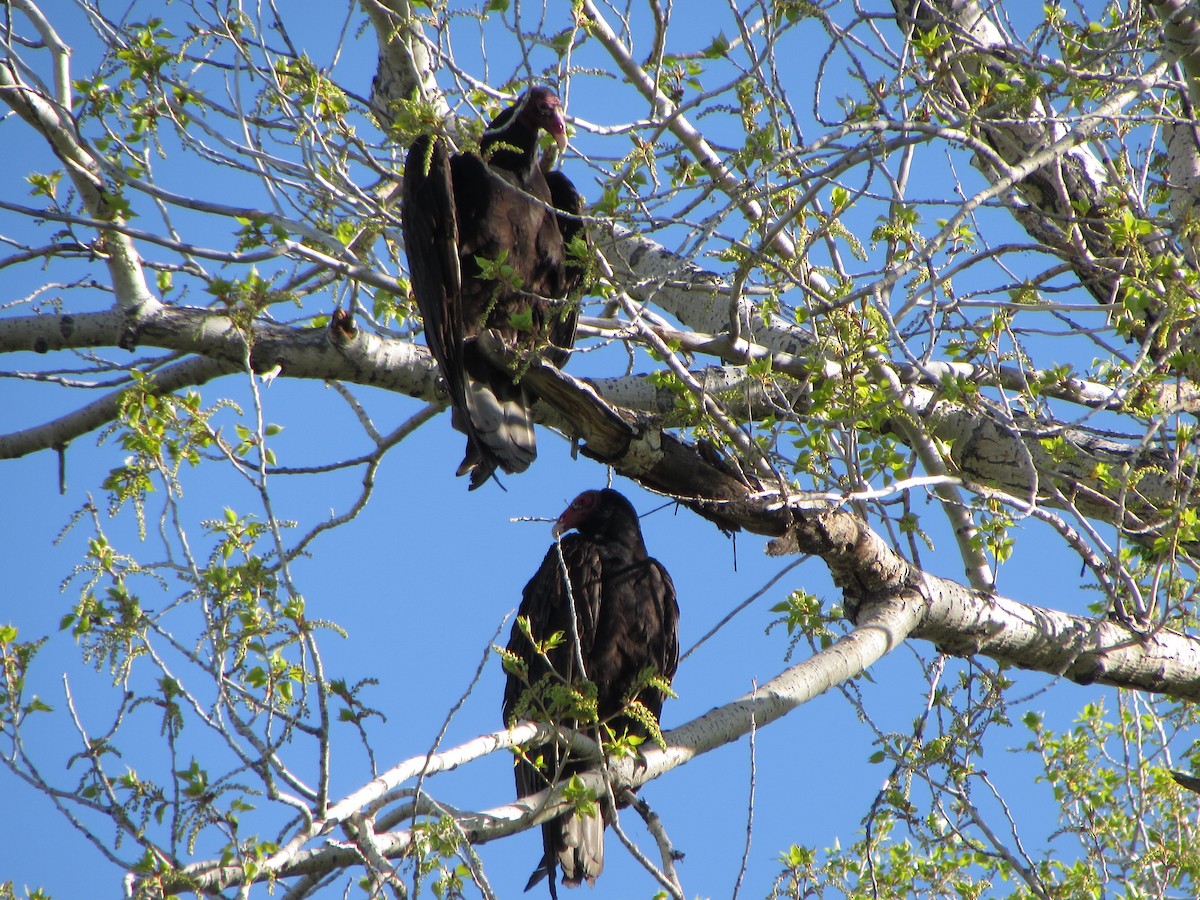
x,y
498,207
627,621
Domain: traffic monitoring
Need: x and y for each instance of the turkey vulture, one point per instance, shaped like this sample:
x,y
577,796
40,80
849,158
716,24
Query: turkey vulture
x,y
627,621
486,250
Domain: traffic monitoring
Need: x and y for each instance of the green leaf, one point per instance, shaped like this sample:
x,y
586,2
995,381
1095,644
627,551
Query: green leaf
x,y
522,321
718,48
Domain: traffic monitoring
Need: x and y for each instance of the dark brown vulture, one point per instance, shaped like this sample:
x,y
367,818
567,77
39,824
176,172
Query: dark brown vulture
x,y
627,620
497,206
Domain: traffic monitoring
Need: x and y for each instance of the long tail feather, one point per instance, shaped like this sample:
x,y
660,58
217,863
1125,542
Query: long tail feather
x,y
581,853
500,428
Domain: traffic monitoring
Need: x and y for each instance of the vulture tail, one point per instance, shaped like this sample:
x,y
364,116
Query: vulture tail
x,y
499,427
546,867
581,848
574,843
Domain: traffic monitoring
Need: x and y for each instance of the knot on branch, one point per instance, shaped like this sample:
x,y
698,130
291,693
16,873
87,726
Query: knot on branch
x,y
128,339
342,329
861,563
643,452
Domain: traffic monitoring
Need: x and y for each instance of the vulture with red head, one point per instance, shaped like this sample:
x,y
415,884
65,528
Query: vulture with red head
x,y
487,239
627,621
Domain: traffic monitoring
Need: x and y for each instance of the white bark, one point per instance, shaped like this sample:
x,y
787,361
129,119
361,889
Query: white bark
x,y
1034,638
1043,168
881,631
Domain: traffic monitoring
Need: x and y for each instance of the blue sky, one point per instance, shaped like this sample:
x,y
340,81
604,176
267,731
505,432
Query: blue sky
x,y
425,576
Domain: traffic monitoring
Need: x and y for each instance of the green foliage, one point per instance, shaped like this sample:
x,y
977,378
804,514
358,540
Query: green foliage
x,y
142,801
45,185
434,853
896,871
626,744
1122,812
248,297
303,83
248,853
550,699
574,704
993,522
500,271
412,117
388,307
1124,820
214,634
162,432
109,624
804,619
145,50
583,797
929,43
16,657
355,712
257,231
196,804
131,95
253,627
8,892
688,406
900,233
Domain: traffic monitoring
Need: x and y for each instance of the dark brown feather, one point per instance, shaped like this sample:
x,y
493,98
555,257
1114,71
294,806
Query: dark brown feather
x,y
627,620
498,204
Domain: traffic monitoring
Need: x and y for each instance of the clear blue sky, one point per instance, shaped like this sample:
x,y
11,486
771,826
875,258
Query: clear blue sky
x,y
424,577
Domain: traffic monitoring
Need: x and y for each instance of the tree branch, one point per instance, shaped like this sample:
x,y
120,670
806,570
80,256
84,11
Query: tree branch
x,y
880,631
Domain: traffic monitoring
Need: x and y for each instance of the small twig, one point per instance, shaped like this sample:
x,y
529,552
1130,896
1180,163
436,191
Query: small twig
x,y
745,603
487,655
737,885
658,831
572,618
671,885
361,830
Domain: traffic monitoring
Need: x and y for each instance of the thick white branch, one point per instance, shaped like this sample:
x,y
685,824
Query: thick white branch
x,y
881,631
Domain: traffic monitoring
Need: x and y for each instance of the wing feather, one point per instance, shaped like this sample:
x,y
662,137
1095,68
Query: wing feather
x,y
627,619
459,209
545,603
446,210
574,842
561,334
431,244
